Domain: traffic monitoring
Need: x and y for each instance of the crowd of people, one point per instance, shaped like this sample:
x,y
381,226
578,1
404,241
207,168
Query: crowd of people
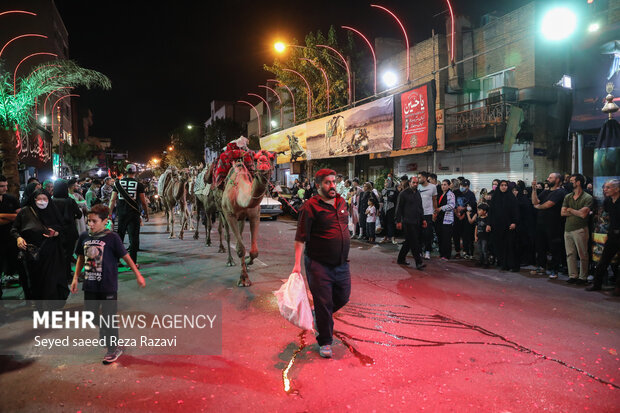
x,y
547,226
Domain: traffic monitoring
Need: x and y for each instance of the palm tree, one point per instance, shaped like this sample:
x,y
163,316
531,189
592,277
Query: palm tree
x,y
16,105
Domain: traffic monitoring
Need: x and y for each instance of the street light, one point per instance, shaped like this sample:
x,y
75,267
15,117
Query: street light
x,y
170,148
346,66
372,50
279,100
594,27
390,79
190,127
279,46
289,91
324,77
260,131
266,104
309,109
404,32
559,23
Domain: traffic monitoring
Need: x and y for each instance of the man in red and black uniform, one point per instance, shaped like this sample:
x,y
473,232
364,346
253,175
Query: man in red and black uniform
x,y
323,227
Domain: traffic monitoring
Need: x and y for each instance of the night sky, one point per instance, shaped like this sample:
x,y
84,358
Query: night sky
x,y
167,61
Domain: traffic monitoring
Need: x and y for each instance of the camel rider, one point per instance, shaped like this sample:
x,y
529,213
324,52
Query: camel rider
x,y
128,191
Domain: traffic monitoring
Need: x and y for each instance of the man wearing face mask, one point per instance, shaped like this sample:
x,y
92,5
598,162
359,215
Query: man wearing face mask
x,y
465,201
549,225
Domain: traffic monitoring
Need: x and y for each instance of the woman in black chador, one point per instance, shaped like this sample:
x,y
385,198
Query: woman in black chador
x,y
69,211
504,218
39,225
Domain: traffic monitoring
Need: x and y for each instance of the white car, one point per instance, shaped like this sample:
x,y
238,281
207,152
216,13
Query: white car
x,y
270,208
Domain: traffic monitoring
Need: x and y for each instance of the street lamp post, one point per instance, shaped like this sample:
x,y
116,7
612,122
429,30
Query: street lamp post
x,y
404,32
279,100
266,104
289,91
22,61
309,109
346,66
372,50
257,115
324,77
20,37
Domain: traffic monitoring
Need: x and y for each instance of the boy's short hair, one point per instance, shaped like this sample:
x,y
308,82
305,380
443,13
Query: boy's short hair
x,y
100,210
483,207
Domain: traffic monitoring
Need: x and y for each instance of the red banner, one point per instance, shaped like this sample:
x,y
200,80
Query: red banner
x,y
415,118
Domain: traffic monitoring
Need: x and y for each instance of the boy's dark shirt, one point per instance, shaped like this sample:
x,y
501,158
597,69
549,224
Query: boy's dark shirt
x,y
8,205
613,209
481,227
101,254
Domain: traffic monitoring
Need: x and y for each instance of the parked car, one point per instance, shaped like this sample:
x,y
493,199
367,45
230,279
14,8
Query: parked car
x,y
270,208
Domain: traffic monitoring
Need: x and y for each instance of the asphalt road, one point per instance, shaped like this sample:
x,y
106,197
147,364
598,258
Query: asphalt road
x,y
450,338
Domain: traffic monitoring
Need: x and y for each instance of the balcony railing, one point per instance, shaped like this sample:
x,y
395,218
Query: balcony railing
x,y
463,118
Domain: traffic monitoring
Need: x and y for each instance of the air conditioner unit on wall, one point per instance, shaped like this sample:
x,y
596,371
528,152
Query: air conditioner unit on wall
x,y
510,94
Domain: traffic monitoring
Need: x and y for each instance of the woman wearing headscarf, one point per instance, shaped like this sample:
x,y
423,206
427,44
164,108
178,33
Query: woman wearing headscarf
x,y
30,188
503,218
38,233
527,226
69,211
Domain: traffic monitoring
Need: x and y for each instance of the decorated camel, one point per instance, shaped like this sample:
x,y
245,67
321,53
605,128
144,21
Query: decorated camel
x,y
206,201
243,191
174,192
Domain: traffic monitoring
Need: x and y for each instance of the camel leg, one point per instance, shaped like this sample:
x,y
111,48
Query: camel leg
x,y
171,223
167,218
219,230
230,262
183,220
254,221
244,279
198,208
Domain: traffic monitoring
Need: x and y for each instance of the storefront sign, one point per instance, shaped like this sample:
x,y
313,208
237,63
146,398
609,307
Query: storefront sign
x,y
34,150
365,129
415,117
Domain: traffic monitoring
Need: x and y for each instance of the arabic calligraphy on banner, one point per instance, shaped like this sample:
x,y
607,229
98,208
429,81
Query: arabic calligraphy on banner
x,y
368,128
415,118
35,148
289,144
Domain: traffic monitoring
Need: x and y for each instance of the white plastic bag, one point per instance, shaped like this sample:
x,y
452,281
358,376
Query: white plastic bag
x,y
351,225
293,302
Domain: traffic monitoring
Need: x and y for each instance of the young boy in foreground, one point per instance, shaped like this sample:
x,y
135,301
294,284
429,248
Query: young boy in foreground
x,y
98,252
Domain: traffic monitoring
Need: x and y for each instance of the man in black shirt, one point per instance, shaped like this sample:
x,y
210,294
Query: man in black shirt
x,y
323,227
9,205
128,191
549,225
410,216
611,205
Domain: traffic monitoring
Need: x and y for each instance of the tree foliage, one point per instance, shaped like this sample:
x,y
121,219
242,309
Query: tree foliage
x,y
331,63
220,132
17,107
80,157
188,147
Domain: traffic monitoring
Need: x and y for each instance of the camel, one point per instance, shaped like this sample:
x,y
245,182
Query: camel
x,y
175,192
206,201
241,199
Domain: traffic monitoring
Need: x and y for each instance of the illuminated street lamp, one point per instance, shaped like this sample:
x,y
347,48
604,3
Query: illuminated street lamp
x,y
559,23
190,127
279,46
170,148
390,79
279,100
404,32
289,91
372,50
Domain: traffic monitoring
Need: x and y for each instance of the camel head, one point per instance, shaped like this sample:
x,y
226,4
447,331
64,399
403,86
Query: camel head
x,y
264,161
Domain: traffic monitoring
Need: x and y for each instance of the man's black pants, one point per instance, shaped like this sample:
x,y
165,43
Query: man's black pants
x,y
444,234
612,246
106,305
427,233
457,233
412,242
130,223
330,288
552,240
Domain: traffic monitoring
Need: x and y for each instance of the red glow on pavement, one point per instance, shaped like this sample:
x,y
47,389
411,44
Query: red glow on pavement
x,y
289,91
266,104
346,65
309,110
19,37
372,50
404,32
22,61
257,115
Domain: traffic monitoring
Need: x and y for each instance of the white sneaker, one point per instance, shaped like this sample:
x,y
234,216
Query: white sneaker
x,y
427,255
